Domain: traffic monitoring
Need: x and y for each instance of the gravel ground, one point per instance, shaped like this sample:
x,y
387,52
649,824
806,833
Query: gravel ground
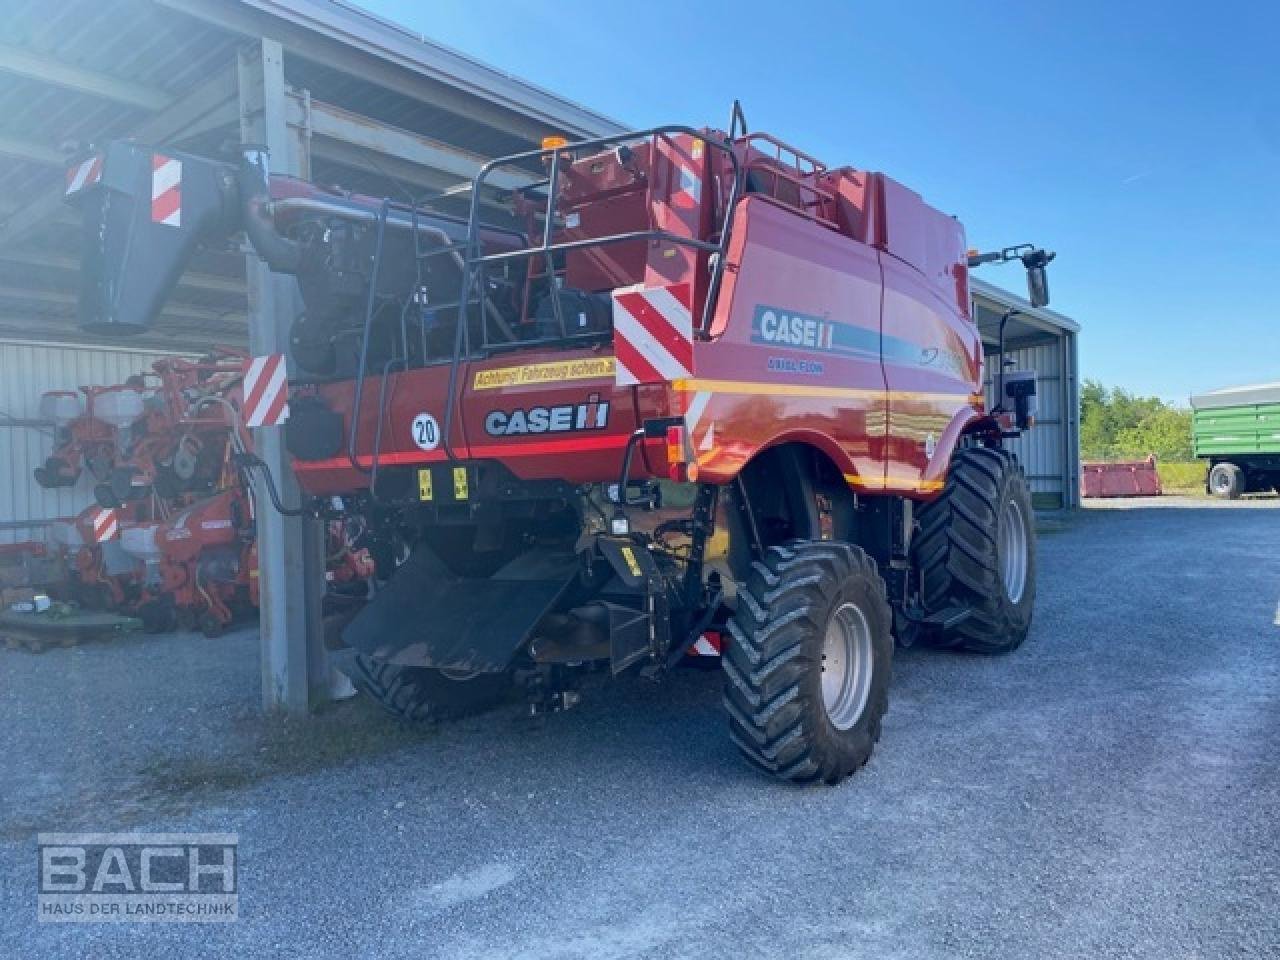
x,y
1111,790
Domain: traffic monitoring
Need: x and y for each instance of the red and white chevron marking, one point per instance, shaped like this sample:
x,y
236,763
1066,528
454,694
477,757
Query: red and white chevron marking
x,y
652,334
84,174
106,525
166,190
707,645
266,391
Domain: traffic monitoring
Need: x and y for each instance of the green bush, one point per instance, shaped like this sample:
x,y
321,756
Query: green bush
x,y
1116,425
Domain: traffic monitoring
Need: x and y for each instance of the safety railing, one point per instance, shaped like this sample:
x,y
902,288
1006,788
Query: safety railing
x,y
474,271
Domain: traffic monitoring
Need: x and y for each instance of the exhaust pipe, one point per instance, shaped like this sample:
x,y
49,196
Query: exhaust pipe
x,y
253,178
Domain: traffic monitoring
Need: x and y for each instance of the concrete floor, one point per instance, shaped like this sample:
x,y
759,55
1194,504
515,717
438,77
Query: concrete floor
x,y
1110,790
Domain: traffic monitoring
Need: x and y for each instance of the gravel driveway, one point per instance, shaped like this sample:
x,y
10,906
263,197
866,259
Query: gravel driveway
x,y
1110,790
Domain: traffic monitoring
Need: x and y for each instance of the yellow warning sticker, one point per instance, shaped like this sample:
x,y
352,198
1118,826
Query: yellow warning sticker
x,y
460,483
632,563
424,484
529,374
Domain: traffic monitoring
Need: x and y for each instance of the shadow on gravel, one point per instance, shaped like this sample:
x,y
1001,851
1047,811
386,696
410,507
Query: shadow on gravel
x,y
258,749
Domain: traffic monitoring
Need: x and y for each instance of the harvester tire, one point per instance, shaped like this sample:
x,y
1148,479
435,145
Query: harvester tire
x,y
808,662
423,694
1226,481
976,554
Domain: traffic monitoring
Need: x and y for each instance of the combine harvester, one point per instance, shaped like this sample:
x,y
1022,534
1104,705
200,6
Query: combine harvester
x,y
698,393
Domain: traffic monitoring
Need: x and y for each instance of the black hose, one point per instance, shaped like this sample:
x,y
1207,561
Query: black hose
x,y
252,179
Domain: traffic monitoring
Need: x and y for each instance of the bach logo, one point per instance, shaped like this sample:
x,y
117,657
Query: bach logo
x,y
138,877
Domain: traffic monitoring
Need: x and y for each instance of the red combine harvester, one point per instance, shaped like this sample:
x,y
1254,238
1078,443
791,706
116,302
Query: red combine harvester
x,y
691,390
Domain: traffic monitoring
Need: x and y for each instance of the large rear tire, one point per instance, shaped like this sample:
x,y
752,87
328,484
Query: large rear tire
x,y
424,695
975,554
808,663
1226,481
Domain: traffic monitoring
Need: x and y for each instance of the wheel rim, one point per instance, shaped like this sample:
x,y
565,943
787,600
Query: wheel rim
x,y
1013,551
846,666
1218,480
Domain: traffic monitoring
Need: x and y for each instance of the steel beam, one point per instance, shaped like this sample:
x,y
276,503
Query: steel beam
x,y
465,88
439,161
183,117
64,298
35,66
31,152
290,549
206,282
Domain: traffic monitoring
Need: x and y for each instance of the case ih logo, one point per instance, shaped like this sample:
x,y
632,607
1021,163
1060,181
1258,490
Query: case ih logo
x,y
801,331
592,415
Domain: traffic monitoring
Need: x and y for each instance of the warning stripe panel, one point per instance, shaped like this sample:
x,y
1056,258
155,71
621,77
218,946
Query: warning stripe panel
x,y
106,525
653,334
656,324
84,174
166,190
266,391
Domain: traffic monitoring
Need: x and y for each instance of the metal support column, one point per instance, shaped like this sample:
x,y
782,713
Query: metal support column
x,y
290,549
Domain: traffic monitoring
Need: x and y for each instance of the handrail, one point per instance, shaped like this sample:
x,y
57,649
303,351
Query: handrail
x,y
476,259
820,194
780,147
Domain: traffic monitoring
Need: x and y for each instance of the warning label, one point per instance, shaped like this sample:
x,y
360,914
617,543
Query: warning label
x,y
529,374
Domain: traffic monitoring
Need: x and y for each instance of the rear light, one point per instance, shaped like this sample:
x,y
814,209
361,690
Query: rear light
x,y
677,468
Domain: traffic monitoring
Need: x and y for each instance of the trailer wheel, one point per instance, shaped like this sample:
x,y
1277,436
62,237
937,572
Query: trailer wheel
x,y
424,695
808,662
1226,481
975,554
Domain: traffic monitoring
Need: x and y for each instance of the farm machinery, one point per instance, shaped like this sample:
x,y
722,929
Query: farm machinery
x,y
170,536
678,391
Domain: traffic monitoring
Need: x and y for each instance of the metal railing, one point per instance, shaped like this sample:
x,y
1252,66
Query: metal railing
x,y
476,260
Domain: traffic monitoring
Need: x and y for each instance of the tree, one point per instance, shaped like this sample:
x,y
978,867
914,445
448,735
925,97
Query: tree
x,y
1115,424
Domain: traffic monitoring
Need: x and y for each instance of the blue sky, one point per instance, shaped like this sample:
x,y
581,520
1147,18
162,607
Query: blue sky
x,y
1140,140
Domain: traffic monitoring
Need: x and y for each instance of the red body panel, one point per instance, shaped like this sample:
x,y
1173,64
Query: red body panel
x,y
842,321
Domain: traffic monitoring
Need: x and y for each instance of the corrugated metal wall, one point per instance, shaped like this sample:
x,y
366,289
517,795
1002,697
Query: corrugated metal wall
x,y
26,371
1049,452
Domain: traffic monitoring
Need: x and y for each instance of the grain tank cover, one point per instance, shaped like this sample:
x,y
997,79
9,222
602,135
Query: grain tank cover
x,y
1256,393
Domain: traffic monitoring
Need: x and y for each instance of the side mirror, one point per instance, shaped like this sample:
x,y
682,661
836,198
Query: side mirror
x,y
1038,286
1037,276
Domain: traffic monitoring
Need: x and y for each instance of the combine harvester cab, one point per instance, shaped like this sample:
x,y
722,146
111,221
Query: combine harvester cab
x,y
695,383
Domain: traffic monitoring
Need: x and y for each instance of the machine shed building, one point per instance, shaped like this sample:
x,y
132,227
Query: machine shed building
x,y
339,96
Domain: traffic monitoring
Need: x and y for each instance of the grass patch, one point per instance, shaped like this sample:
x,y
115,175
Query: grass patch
x,y
277,745
1182,478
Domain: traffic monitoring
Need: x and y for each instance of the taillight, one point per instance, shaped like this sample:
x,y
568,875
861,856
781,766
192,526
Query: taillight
x,y
679,468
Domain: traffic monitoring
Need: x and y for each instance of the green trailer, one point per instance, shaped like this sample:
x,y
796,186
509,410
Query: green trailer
x,y
1237,430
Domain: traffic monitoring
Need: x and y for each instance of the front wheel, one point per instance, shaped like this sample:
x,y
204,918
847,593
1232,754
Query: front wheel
x,y
808,663
975,554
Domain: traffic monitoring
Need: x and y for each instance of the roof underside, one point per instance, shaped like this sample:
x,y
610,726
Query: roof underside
x,y
80,72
